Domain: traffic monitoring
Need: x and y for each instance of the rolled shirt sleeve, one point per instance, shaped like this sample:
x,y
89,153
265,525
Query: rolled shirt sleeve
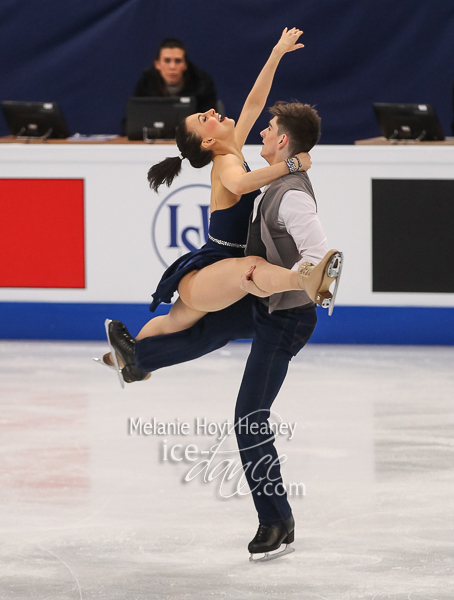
x,y
298,215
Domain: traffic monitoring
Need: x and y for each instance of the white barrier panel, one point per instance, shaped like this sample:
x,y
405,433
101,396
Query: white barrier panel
x,y
131,233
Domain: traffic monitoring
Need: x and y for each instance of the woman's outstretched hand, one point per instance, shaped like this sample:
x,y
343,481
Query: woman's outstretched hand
x,y
305,159
288,41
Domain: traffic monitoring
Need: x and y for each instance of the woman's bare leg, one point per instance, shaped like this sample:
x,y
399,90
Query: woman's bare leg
x,y
179,317
215,287
219,285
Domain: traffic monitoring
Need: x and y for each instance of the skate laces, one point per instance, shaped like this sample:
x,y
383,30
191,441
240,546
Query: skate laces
x,y
125,339
261,533
305,268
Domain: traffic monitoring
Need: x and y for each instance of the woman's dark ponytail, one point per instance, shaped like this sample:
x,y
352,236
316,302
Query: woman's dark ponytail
x,y
164,172
189,144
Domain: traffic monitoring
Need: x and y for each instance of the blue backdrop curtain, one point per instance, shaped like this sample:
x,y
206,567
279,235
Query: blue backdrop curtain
x,y
87,56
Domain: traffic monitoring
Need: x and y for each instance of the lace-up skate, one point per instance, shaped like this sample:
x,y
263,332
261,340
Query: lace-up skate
x,y
107,361
122,346
270,538
315,280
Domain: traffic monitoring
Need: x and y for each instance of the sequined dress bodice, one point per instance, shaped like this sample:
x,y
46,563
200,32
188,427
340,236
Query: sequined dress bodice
x,y
231,224
228,232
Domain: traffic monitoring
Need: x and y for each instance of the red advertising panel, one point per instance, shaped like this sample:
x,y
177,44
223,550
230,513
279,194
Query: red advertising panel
x,y
42,233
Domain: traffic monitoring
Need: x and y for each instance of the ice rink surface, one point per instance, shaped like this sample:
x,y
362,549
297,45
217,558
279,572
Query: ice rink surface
x,y
90,511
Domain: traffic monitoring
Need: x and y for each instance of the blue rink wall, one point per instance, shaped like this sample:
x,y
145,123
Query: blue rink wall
x,y
348,325
356,53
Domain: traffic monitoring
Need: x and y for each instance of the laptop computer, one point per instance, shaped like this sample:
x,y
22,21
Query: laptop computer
x,y
35,119
156,118
408,122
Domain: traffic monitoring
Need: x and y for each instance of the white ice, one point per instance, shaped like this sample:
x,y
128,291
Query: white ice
x,y
89,511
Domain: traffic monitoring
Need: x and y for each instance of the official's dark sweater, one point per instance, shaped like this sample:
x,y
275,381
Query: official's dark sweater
x,y
197,83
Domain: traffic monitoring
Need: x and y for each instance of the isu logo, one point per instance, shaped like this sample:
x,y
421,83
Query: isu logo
x,y
180,223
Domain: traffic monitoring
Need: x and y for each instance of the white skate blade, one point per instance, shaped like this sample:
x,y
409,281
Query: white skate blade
x,y
100,361
334,270
266,556
114,354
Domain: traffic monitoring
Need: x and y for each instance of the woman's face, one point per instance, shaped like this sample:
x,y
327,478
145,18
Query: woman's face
x,y
210,125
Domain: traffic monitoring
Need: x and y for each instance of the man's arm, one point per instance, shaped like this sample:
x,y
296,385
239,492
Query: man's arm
x,y
298,215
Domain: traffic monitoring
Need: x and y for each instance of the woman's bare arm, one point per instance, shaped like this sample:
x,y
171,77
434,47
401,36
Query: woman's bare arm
x,y
256,100
236,180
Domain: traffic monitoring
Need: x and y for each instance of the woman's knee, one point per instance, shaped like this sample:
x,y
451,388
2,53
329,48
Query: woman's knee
x,y
256,261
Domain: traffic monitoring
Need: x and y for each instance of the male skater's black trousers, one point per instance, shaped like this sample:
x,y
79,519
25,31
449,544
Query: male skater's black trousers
x,y
276,339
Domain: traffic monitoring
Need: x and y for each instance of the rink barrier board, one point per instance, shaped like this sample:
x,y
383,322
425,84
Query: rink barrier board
x,y
400,325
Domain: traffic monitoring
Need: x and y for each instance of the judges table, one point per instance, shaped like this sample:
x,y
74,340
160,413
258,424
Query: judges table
x,y
81,229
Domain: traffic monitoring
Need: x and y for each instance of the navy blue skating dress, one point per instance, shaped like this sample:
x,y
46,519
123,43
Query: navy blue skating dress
x,y
227,237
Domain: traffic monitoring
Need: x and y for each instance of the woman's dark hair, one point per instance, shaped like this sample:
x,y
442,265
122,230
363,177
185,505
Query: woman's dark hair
x,y
189,144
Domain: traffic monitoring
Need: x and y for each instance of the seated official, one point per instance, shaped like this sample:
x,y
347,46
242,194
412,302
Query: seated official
x,y
172,74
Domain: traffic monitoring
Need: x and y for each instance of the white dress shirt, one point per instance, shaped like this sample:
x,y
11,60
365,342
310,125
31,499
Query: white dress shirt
x,y
298,215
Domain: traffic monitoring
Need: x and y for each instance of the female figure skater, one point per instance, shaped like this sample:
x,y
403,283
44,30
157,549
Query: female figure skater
x,y
216,276
219,274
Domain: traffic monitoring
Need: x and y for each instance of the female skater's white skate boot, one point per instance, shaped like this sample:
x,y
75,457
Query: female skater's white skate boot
x,y
316,280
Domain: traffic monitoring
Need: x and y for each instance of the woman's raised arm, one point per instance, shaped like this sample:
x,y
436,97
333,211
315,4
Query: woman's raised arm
x,y
235,179
256,100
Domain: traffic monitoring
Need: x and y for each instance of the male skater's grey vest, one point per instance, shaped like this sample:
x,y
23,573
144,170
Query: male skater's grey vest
x,y
268,240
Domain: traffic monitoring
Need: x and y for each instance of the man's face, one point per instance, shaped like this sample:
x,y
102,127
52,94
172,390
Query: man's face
x,y
171,64
271,139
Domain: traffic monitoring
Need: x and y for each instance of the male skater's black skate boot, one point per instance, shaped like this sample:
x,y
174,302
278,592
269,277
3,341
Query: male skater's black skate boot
x,y
107,361
271,537
122,346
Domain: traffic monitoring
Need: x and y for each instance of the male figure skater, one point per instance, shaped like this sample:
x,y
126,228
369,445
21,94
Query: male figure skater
x,y
285,230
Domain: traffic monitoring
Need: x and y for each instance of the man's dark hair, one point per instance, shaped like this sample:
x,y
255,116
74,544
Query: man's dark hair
x,y
171,43
300,122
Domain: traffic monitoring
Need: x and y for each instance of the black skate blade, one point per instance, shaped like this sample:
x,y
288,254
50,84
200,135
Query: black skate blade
x,y
340,258
114,354
266,556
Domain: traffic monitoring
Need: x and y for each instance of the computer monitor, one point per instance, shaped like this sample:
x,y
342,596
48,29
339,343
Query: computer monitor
x,y
35,119
408,122
154,118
